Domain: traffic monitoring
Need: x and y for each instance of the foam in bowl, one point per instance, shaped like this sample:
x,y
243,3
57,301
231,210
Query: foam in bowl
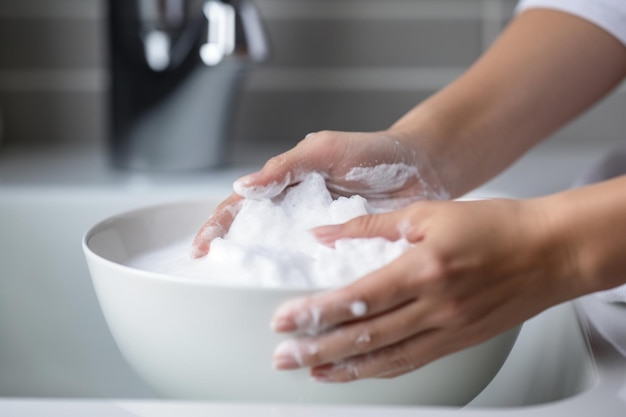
x,y
270,245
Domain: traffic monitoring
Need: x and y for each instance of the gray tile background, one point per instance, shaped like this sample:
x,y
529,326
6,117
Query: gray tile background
x,y
343,64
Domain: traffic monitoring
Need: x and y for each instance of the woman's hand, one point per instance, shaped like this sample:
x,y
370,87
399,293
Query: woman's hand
x,y
381,166
475,270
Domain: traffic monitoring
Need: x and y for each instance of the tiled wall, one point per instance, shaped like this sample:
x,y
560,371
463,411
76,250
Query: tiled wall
x,y
336,64
52,78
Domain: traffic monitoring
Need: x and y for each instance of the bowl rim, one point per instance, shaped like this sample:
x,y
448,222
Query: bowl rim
x,y
173,279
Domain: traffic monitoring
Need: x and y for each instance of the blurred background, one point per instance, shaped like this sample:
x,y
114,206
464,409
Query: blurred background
x,y
334,64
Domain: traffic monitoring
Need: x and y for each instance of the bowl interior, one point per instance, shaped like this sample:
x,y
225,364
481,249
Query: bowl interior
x,y
124,236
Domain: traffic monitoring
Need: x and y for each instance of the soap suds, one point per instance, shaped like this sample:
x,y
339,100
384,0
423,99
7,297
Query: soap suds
x,y
363,340
358,308
271,190
270,244
383,177
382,180
309,321
290,348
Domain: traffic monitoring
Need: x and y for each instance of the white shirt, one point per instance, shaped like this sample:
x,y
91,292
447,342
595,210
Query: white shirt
x,y
610,15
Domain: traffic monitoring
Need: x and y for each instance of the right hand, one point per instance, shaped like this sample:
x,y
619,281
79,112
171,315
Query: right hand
x,y
382,167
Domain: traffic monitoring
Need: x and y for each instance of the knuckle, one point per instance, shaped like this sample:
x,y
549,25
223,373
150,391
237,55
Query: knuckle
x,y
312,355
399,361
458,313
276,161
421,209
364,224
351,295
350,371
364,341
324,135
435,268
451,311
319,139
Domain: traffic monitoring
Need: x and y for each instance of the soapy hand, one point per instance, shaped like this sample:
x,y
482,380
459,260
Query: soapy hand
x,y
475,270
381,166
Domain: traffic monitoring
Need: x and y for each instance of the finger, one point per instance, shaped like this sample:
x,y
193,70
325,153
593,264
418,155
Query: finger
x,y
390,361
382,290
355,339
392,226
409,354
267,183
286,169
217,225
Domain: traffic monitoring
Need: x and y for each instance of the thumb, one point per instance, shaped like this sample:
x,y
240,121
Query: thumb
x,y
217,226
391,226
278,173
286,169
263,184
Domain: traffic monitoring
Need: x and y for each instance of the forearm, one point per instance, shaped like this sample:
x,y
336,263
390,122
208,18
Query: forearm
x,y
545,69
588,224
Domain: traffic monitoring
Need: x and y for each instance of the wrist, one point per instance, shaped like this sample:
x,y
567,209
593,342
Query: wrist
x,y
585,226
432,142
556,241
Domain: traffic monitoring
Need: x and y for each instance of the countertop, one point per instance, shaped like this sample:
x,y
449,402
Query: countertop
x,y
543,170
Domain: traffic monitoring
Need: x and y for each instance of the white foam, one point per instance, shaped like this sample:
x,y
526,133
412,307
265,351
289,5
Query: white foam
x,y
358,308
270,245
384,177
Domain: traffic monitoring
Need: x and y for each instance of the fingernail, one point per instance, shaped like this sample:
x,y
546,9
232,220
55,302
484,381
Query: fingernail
x,y
287,355
323,375
244,181
249,186
283,320
296,315
282,324
327,234
199,251
285,363
342,371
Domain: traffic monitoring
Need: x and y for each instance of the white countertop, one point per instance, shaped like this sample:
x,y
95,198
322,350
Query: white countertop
x,y
543,170
76,168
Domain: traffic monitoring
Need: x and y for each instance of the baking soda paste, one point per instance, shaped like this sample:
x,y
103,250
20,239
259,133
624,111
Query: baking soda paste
x,y
270,244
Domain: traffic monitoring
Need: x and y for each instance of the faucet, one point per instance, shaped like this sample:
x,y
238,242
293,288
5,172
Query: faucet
x,y
176,69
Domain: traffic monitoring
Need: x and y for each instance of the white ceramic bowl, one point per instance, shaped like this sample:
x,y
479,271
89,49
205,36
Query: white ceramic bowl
x,y
202,341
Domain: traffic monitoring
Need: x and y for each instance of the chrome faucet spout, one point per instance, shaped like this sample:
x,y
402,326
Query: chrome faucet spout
x,y
176,68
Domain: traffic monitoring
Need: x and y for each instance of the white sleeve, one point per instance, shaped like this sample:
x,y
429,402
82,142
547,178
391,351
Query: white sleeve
x,y
610,15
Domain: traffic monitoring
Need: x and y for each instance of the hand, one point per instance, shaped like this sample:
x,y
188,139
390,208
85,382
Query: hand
x,y
382,167
475,270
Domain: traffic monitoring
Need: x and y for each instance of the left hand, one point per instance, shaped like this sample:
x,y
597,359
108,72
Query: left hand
x,y
387,168
475,270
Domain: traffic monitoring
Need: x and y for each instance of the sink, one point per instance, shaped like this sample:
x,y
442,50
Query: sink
x,y
56,344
